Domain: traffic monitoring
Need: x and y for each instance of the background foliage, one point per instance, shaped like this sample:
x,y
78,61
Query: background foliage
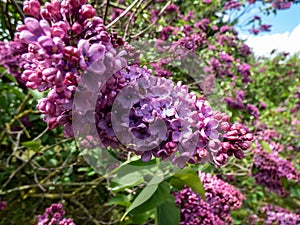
x,y
39,166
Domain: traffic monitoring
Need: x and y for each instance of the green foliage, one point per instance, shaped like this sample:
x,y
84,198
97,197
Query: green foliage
x,y
188,177
39,166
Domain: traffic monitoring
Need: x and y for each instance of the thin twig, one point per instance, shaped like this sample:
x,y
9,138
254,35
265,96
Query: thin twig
x,y
20,11
41,134
122,14
85,210
17,170
37,182
106,10
30,159
117,6
154,22
29,186
131,17
14,119
52,196
15,148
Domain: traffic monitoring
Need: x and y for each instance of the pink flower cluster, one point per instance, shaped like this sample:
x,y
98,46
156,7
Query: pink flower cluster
x,y
193,131
3,205
221,198
10,58
238,102
214,41
278,215
54,215
268,168
57,45
63,40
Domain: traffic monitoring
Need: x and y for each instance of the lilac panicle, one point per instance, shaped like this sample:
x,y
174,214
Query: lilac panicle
x,y
182,126
3,205
221,198
54,215
278,215
53,48
268,168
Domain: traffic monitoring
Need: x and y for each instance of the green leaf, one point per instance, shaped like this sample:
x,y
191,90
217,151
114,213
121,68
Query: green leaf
x,y
129,176
128,180
285,182
141,163
119,200
188,177
36,94
158,198
142,218
151,196
254,170
265,146
33,145
83,169
168,212
146,194
91,173
10,77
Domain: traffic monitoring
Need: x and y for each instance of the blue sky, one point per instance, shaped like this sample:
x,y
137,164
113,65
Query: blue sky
x,y
284,35
285,20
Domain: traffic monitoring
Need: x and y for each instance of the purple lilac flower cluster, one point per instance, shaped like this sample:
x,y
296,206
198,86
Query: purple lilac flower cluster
x,y
221,198
295,131
269,170
238,103
206,36
261,28
281,4
56,46
270,136
10,58
165,120
54,215
297,96
3,205
65,39
232,4
277,4
280,216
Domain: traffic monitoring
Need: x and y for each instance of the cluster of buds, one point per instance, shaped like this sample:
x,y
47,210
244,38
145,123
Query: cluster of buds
x,y
54,215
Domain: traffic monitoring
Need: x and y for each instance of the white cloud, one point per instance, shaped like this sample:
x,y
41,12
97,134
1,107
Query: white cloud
x,y
282,42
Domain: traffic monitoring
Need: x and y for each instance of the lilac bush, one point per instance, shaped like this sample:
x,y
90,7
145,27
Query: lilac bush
x,y
60,51
143,111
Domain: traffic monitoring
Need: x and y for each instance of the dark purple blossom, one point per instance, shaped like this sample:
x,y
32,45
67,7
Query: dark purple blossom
x,y
221,198
3,205
269,169
244,70
265,27
54,215
232,4
54,48
278,215
165,120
